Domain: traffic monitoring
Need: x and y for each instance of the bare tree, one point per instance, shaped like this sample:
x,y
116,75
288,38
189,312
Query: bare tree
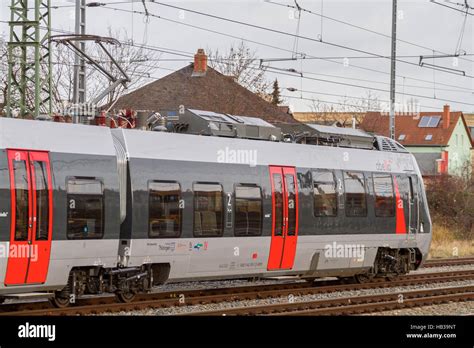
x,y
347,105
137,62
239,62
3,70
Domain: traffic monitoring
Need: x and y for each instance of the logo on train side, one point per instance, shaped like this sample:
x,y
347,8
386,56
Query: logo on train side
x,y
170,246
239,156
198,246
4,214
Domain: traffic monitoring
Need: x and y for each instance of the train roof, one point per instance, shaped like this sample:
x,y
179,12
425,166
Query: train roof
x,y
85,139
211,149
55,137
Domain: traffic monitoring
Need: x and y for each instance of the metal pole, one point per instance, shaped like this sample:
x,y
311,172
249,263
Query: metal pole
x,y
29,59
79,92
393,69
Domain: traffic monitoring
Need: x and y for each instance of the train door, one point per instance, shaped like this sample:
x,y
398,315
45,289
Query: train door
x,y
414,200
31,217
284,218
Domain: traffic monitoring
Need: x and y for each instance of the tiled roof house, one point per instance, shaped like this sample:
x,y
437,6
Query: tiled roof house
x,y
198,86
440,141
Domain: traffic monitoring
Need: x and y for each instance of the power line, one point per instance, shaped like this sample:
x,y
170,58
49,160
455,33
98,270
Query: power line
x,y
327,81
378,89
279,72
459,90
293,35
365,29
278,48
188,54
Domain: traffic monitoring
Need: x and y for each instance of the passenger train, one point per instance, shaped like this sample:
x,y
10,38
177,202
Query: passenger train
x,y
91,210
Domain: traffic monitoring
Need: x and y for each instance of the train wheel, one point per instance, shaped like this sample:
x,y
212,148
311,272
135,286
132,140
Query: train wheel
x,y
60,302
125,297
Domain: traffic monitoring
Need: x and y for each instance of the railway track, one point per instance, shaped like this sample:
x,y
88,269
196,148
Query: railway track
x,y
355,304
449,262
207,296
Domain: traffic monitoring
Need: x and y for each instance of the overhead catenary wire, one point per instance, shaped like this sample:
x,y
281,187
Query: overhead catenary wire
x,y
329,81
279,48
189,54
322,17
363,28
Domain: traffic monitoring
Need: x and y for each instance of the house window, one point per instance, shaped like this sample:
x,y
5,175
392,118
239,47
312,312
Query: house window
x,y
208,210
384,198
85,208
355,199
164,214
324,194
429,137
248,210
401,137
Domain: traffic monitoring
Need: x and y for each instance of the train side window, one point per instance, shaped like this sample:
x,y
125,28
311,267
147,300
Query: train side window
x,y
85,210
324,193
22,194
384,195
278,210
208,210
355,195
248,210
164,214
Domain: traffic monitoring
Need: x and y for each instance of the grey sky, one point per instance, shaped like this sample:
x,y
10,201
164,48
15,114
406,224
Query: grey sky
x,y
420,22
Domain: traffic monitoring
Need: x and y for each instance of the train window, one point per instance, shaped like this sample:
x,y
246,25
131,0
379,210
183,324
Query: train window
x,y
384,196
248,211
324,194
164,214
21,200
355,200
278,196
208,210
42,200
85,210
291,210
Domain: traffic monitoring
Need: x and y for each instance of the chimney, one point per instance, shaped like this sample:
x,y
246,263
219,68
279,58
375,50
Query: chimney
x,y
200,63
446,116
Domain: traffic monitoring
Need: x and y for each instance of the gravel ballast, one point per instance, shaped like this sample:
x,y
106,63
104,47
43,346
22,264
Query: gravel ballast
x,y
448,309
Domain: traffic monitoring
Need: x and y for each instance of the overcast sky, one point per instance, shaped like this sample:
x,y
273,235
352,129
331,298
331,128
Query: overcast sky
x,y
420,22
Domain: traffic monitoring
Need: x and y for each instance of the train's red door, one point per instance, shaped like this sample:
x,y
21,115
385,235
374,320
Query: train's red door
x,y
284,218
31,217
